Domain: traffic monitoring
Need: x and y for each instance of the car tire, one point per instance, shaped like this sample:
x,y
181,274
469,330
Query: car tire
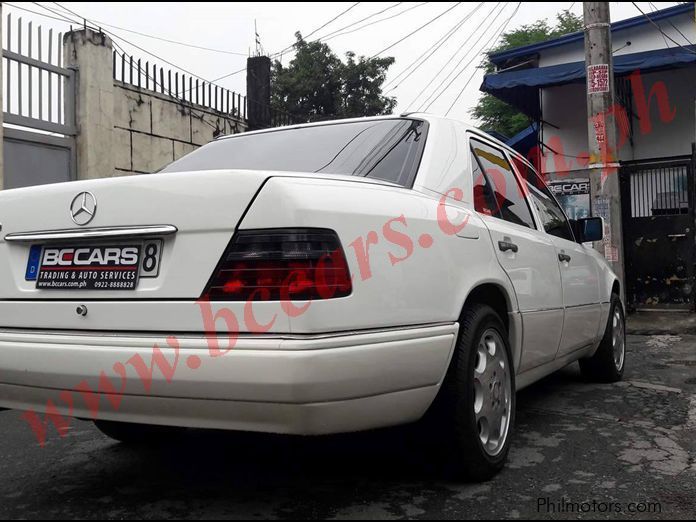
x,y
474,412
609,361
137,434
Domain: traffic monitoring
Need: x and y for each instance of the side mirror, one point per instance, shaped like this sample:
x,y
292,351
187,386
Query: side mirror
x,y
589,229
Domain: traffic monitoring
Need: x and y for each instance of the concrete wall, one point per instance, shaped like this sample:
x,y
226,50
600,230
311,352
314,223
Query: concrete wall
x,y
151,129
124,129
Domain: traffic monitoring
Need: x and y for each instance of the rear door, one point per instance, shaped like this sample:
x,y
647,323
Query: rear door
x,y
527,254
579,273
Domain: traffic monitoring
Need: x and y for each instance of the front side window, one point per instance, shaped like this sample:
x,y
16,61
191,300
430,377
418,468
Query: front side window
x,y
550,213
508,198
388,149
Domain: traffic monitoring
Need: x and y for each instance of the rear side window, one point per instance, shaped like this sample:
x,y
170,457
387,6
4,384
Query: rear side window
x,y
499,184
385,149
484,197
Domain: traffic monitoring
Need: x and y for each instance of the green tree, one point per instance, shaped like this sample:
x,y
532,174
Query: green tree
x,y
494,114
318,85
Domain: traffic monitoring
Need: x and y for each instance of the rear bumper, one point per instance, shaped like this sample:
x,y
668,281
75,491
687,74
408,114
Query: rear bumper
x,y
299,385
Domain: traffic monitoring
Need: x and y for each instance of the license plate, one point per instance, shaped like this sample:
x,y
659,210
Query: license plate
x,y
98,267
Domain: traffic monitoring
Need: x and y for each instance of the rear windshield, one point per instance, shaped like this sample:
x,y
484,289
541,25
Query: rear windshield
x,y
384,149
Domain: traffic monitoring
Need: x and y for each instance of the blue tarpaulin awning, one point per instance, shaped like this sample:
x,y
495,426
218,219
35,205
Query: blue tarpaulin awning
x,y
521,88
524,140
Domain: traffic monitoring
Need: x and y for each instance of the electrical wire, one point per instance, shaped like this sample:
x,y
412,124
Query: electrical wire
x,y
326,39
489,45
160,38
400,78
353,24
120,38
674,26
339,15
426,24
115,42
453,74
289,47
665,35
332,34
451,58
64,20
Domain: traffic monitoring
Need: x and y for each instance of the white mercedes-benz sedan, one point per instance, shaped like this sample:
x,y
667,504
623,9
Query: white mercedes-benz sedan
x,y
314,279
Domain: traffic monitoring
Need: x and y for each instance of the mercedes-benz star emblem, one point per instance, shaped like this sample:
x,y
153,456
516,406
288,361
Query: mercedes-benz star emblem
x,y
83,208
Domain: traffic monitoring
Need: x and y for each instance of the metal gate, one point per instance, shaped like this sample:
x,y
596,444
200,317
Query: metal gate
x,y
658,228
38,106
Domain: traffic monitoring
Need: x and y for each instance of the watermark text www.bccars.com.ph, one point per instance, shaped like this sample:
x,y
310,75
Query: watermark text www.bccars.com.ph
x,y
550,506
113,391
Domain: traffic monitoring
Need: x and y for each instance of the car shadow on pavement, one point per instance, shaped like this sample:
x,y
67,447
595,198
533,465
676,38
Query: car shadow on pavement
x,y
246,462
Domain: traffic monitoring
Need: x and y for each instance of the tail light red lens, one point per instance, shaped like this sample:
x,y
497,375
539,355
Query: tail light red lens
x,y
281,264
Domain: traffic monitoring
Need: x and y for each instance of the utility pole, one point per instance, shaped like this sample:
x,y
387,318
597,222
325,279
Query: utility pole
x,y
601,132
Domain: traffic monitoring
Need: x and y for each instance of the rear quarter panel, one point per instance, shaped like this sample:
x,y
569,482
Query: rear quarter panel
x,y
407,265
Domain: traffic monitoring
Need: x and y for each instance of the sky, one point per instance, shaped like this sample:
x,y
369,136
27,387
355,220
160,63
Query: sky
x,y
229,26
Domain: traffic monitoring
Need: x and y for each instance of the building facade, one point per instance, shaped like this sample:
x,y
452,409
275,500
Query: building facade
x,y
654,117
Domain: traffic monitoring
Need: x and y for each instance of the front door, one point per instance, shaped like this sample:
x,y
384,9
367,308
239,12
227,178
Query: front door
x,y
658,219
579,271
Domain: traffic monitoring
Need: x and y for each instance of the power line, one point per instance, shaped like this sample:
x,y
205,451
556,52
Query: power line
x,y
489,44
289,47
416,30
334,33
160,38
64,20
674,26
665,35
431,50
326,39
452,77
338,32
113,35
333,19
341,32
454,55
144,50
353,24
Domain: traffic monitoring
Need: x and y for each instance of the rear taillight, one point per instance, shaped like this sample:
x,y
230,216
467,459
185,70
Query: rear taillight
x,y
281,264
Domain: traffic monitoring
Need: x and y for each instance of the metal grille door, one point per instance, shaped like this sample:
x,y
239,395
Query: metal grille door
x,y
658,222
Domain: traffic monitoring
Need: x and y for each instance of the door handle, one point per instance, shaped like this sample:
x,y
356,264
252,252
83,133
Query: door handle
x,y
676,236
564,258
504,246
